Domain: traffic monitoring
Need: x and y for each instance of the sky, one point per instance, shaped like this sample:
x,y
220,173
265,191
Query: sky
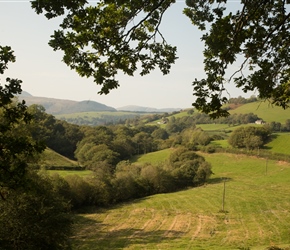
x,y
44,74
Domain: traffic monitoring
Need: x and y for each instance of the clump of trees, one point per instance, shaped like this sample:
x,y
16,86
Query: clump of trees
x,y
106,150
175,125
234,119
249,137
129,181
278,126
109,145
242,100
35,216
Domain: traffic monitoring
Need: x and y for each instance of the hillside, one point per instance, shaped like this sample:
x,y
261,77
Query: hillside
x,y
58,106
50,158
264,110
256,212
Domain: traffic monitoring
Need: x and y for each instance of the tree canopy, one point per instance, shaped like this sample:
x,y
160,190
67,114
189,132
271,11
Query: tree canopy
x,y
17,148
32,215
108,37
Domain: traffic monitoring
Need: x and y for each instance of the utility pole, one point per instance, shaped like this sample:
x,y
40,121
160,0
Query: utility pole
x,y
224,196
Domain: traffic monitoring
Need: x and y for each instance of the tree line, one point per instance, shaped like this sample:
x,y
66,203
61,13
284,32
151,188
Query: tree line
x,y
113,143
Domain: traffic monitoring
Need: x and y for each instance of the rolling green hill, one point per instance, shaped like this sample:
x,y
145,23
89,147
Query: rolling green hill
x,y
61,165
50,158
58,106
264,110
154,157
256,213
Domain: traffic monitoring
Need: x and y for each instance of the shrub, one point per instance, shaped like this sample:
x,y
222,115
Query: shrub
x,y
35,218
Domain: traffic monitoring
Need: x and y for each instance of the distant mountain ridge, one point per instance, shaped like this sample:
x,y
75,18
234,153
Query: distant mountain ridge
x,y
134,108
58,106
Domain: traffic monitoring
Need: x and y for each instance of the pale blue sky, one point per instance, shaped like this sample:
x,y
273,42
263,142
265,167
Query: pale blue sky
x,y
44,74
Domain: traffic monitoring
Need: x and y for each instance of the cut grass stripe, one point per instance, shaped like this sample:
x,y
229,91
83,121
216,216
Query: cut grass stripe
x,y
257,216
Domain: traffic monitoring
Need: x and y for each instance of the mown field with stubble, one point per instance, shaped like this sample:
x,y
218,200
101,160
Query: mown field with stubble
x,y
256,212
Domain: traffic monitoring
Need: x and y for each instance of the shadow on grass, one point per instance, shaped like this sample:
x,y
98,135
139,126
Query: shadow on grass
x,y
93,235
218,180
273,137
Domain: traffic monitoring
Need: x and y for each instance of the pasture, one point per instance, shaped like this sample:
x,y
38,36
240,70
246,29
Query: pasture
x,y
256,212
216,127
52,158
280,143
154,157
264,110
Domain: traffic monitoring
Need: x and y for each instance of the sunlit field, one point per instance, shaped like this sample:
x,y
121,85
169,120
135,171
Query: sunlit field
x,y
254,214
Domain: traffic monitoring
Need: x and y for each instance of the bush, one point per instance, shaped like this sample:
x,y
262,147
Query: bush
x,y
35,218
209,149
80,191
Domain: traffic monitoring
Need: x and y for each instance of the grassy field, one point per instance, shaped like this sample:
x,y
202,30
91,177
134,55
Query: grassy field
x,y
220,143
155,157
51,158
280,143
265,111
256,212
223,127
215,127
63,173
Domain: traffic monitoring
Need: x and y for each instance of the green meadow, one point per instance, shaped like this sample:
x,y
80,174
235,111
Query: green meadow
x,y
154,157
264,110
280,143
52,158
254,215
